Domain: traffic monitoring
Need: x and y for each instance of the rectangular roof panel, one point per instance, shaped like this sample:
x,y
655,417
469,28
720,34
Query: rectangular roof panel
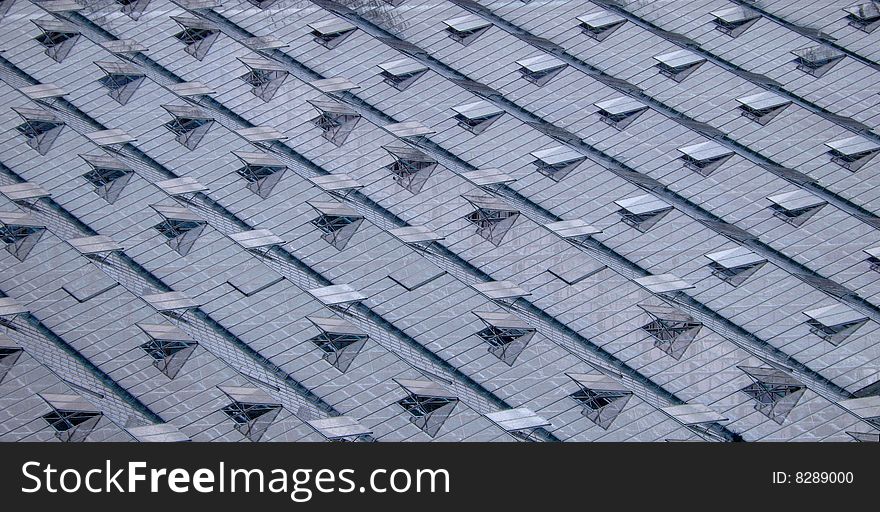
x,y
170,301
662,283
248,395
540,63
572,228
415,234
425,388
181,186
408,129
261,134
110,137
337,294
159,433
331,26
176,213
62,402
557,155
706,151
43,91
332,182
467,23
89,286
500,290
577,268
164,332
852,146
190,89
11,307
600,19
620,106
514,420
693,414
763,100
838,314
477,110
644,204
735,258
501,319
679,58
338,427
256,238
334,84
597,382
122,46
335,325
263,43
23,191
485,177
404,66
796,200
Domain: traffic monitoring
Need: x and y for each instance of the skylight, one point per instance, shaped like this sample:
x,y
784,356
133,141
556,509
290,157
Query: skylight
x,y
557,162
174,305
168,347
775,392
402,73
330,33
261,171
466,29
340,428
335,119
411,167
98,247
108,176
521,422
735,20
180,226
642,212
492,216
58,37
817,60
734,266
25,194
133,8
541,69
620,112
864,16
264,76
834,323
478,116
338,340
673,331
72,417
853,152
762,107
602,398
600,25
40,127
197,34
429,404
679,64
252,410
705,157
122,80
20,232
10,351
796,207
338,222
190,124
506,335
